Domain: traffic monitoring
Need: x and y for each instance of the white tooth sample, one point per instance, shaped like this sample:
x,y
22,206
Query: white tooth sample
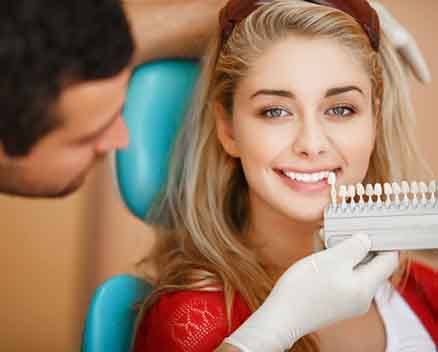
x,y
331,178
343,194
360,191
388,191
423,190
414,191
432,190
369,191
396,190
351,193
378,193
333,195
405,189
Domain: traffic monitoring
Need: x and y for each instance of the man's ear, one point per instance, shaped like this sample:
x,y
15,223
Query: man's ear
x,y
225,130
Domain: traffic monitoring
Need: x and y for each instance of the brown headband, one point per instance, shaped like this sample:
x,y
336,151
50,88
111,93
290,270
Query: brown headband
x,y
237,10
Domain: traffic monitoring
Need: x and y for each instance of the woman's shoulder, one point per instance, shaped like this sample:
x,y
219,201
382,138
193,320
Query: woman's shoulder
x,y
189,321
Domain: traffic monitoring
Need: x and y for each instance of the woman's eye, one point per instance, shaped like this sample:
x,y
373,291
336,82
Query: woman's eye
x,y
341,111
275,113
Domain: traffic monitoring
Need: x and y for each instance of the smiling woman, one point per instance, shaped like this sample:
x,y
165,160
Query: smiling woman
x,y
292,94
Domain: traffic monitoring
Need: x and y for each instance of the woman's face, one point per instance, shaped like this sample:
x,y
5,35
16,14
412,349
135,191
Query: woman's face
x,y
303,110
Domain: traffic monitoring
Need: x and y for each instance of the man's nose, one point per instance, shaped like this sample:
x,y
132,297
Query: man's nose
x,y
311,140
116,137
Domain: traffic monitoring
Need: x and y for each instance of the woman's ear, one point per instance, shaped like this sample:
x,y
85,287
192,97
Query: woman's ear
x,y
225,130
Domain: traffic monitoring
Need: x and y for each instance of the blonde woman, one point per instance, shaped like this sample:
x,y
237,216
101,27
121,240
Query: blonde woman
x,y
291,92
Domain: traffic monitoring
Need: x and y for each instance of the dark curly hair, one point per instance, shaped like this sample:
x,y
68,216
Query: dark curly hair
x,y
43,45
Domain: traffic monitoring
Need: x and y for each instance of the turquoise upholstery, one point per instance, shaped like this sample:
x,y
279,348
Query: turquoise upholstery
x,y
112,313
158,96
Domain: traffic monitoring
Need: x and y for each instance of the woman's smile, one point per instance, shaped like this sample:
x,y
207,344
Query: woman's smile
x,y
306,182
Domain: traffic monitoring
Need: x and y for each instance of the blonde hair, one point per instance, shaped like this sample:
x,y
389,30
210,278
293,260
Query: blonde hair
x,y
203,211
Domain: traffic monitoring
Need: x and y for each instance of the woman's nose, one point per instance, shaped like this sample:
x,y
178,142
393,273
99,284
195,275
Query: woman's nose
x,y
311,139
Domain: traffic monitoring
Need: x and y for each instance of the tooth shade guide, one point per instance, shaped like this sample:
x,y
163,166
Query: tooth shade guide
x,y
407,224
414,194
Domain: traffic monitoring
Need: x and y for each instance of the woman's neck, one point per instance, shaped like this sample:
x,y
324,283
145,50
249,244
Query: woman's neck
x,y
279,240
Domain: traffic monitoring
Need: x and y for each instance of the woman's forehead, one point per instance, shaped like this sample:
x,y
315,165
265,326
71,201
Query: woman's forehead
x,y
306,63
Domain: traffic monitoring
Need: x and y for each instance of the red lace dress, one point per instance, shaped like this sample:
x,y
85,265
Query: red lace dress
x,y
188,321
193,321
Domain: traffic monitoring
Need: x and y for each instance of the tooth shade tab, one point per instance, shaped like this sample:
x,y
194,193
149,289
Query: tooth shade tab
x,y
351,191
432,190
331,178
378,193
405,188
423,190
387,189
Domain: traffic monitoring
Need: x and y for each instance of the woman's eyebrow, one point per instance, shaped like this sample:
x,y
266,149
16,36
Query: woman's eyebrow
x,y
340,90
276,92
287,94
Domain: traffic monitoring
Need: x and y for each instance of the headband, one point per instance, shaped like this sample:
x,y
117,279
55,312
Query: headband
x,y
237,10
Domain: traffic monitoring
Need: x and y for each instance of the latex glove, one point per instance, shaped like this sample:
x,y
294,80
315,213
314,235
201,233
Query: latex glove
x,y
404,43
320,289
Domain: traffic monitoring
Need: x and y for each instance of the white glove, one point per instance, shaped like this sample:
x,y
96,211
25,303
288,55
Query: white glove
x,y
318,290
404,43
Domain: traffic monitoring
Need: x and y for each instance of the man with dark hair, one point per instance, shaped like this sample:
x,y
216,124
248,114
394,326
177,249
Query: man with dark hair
x,y
64,68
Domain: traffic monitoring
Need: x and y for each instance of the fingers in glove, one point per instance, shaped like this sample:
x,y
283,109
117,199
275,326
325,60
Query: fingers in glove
x,y
354,249
378,269
404,43
413,56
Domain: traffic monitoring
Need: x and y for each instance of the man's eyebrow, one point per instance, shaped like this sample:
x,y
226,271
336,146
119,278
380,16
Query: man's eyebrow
x,y
340,90
276,92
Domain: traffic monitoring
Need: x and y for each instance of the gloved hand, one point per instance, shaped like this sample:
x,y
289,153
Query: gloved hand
x,y
404,43
320,289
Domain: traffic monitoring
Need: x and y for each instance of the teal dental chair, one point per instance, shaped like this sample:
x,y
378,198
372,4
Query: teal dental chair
x,y
158,96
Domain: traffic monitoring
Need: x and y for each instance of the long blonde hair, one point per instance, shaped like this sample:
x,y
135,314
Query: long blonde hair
x,y
203,211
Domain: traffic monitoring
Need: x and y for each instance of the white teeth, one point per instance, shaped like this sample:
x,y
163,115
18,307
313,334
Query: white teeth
x,y
308,178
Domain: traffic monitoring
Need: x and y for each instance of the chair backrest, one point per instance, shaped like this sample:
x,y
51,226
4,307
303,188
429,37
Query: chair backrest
x,y
112,313
157,99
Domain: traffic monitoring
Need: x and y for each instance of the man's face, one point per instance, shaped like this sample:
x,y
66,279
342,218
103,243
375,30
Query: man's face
x,y
91,126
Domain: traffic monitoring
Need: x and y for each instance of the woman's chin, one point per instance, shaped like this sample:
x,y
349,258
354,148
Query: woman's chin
x,y
307,213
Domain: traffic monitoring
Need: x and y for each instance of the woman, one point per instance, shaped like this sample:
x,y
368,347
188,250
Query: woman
x,y
291,92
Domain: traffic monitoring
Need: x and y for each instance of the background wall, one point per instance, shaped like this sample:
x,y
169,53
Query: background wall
x,y
54,253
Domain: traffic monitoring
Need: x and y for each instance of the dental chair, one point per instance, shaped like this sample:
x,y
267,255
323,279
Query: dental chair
x,y
158,97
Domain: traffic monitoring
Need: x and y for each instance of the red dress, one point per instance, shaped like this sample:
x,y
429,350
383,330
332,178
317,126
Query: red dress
x,y
421,293
188,321
194,321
